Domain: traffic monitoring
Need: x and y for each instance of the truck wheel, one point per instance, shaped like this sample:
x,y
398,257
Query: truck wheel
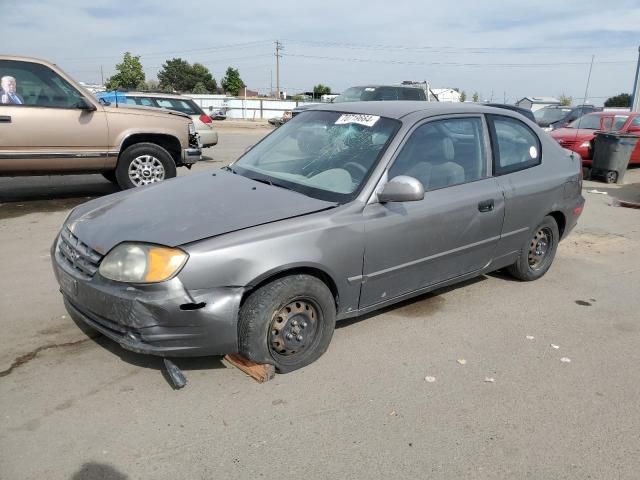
x,y
287,323
111,176
144,164
537,255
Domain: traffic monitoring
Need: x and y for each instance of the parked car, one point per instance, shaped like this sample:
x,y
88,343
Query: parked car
x,y
528,114
279,121
179,103
52,125
395,200
578,135
555,116
380,92
217,114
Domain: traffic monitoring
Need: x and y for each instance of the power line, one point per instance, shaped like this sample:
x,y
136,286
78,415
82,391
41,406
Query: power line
x,y
448,48
451,64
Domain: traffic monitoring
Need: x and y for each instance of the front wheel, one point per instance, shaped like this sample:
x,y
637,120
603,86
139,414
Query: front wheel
x,y
143,164
288,322
537,255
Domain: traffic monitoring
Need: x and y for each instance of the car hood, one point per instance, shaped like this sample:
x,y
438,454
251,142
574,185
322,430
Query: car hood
x,y
572,133
143,110
186,209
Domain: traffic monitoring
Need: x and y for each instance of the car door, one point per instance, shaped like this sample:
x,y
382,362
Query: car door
x,y
451,232
49,126
517,166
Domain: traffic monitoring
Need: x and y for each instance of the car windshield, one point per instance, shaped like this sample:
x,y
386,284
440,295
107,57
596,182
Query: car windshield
x,y
325,155
352,94
550,115
599,122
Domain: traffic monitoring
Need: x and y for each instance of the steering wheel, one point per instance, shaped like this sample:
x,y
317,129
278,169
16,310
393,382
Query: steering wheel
x,y
353,168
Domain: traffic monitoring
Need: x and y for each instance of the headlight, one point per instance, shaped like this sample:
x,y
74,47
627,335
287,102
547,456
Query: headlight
x,y
192,128
142,263
585,145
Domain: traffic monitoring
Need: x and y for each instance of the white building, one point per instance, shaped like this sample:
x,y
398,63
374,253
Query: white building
x,y
536,103
446,94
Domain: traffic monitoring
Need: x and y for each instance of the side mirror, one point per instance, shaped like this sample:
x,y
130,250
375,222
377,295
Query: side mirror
x,y
84,104
401,189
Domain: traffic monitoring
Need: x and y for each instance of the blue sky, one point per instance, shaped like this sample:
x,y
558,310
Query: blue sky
x,y
505,49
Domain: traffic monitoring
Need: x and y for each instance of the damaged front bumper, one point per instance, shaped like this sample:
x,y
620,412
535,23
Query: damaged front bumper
x,y
161,319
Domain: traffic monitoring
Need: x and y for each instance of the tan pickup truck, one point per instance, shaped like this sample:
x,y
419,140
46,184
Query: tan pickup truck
x,y
50,125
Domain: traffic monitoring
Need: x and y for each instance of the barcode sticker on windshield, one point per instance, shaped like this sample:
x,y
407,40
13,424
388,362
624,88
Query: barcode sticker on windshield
x,y
366,120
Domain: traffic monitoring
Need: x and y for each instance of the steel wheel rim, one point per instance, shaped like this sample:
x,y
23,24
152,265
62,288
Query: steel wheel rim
x,y
145,170
540,247
611,176
293,329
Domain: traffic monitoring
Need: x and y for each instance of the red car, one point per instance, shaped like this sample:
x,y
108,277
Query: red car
x,y
577,136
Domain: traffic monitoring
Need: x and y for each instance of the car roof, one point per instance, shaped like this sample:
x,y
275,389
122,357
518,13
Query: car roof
x,y
157,95
401,108
386,86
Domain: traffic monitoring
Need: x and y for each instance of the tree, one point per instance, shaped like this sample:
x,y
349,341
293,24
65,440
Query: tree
x,y
202,75
232,82
463,96
564,100
321,89
475,97
199,88
129,73
176,75
622,100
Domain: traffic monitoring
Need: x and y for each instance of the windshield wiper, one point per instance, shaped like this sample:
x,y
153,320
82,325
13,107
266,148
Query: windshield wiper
x,y
228,168
269,182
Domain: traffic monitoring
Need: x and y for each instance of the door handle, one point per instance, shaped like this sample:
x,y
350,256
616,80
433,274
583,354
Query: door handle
x,y
5,119
486,206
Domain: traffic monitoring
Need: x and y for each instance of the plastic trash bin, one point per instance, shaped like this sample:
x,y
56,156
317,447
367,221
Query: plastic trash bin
x,y
611,154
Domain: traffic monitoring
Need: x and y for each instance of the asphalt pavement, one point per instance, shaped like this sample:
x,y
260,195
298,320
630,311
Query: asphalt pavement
x,y
489,379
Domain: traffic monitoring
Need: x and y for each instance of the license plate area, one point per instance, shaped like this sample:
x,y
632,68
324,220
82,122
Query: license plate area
x,y
68,284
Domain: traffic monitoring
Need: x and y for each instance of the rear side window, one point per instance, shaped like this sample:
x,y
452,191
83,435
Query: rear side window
x,y
184,106
515,146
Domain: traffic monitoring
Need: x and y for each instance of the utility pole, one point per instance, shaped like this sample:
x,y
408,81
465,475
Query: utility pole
x,y
635,94
101,75
278,55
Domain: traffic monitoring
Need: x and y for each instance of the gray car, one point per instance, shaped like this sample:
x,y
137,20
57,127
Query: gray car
x,y
343,210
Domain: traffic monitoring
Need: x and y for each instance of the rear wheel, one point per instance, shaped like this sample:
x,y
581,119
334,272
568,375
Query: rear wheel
x,y
537,255
143,164
288,322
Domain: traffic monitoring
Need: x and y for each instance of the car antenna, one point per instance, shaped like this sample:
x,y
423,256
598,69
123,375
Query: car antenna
x,y
584,100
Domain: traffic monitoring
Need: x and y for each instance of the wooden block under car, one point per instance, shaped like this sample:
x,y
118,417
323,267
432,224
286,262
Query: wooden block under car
x,y
261,372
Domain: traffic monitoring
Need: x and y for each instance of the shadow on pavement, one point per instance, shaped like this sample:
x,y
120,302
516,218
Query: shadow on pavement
x,y
98,471
417,307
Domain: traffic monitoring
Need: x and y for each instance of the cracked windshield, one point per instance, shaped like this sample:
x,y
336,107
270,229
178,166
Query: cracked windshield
x,y
319,153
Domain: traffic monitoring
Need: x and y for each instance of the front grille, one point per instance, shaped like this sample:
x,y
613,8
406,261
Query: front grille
x,y
79,256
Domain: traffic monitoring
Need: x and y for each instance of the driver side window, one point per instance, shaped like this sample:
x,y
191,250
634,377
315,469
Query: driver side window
x,y
33,84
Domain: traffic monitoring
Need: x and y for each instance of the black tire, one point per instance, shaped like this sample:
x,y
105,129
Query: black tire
x,y
111,176
264,322
530,264
161,165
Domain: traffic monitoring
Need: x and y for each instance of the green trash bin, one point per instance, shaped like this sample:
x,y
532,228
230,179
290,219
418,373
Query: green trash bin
x,y
611,154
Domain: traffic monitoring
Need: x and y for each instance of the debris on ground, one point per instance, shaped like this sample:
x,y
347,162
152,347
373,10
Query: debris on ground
x,y
429,379
393,413
597,192
462,361
489,379
175,374
554,346
565,360
530,337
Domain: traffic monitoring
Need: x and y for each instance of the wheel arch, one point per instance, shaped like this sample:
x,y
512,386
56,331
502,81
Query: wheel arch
x,y
170,143
561,221
296,269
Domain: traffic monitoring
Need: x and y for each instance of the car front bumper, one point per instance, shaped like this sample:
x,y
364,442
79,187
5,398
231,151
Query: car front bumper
x,y
191,155
162,319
